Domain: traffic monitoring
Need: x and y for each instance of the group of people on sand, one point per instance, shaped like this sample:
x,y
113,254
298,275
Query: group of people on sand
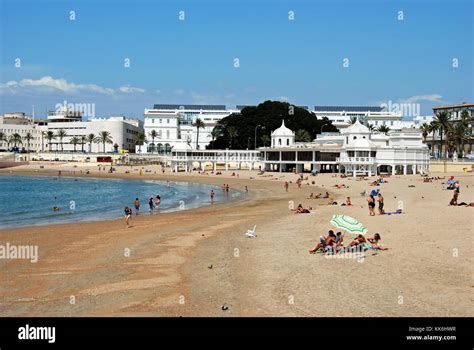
x,y
225,189
456,190
372,202
334,243
379,181
301,210
153,203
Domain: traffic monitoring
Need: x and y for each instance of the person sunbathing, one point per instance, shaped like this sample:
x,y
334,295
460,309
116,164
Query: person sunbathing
x,y
325,242
375,242
318,196
348,201
326,195
311,196
358,240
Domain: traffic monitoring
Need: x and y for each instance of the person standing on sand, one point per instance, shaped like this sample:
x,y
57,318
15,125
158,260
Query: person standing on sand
x,y
380,200
286,186
136,203
212,196
227,189
128,215
371,202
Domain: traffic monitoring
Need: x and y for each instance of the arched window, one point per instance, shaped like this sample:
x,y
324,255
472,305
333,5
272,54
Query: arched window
x,y
287,142
279,142
354,138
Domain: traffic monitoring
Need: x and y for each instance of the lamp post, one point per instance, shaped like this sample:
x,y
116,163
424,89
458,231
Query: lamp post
x,y
258,126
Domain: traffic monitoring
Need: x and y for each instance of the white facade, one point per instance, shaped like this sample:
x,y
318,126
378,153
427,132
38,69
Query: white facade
x,y
356,151
340,116
21,124
123,132
174,125
282,136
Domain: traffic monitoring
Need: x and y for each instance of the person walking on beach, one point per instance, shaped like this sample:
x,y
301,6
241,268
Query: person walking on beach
x,y
286,186
136,203
371,203
380,200
227,189
212,196
128,215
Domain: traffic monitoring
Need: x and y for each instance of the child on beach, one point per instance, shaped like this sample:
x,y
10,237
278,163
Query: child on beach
x,y
380,200
128,215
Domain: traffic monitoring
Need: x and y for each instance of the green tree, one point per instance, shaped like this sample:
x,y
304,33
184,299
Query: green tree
x,y
103,138
15,139
371,127
83,142
384,129
50,137
233,133
442,122
60,135
302,136
153,135
74,141
353,120
216,132
3,137
90,139
198,124
28,137
140,140
265,139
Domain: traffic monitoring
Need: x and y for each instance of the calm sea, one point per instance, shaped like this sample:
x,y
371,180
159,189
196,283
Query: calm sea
x,y
29,201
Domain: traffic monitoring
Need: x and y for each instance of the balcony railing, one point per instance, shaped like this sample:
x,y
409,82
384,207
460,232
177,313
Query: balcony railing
x,y
355,159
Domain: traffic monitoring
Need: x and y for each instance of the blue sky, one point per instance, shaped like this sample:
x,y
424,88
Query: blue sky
x,y
192,60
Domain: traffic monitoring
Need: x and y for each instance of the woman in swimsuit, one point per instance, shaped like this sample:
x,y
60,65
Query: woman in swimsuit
x,y
371,202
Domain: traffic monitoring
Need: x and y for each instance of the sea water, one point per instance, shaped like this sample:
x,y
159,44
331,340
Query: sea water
x,y
29,201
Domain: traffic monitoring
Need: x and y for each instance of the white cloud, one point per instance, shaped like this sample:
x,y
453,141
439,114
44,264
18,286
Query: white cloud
x,y
417,98
127,89
50,83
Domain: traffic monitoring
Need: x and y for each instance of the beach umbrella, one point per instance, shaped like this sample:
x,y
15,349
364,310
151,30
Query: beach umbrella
x,y
348,224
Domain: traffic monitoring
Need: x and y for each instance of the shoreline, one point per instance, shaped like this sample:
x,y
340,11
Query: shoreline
x,y
191,263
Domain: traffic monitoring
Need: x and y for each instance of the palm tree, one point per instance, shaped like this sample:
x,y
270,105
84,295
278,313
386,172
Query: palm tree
x,y
153,135
140,140
442,122
15,139
371,127
465,120
198,124
50,136
90,138
28,137
265,139
60,135
104,137
75,140
425,130
384,129
458,134
233,133
353,120
302,135
83,142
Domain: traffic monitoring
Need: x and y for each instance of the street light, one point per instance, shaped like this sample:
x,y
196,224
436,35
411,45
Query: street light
x,y
258,126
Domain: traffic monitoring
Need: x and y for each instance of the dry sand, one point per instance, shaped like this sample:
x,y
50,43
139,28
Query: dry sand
x,y
427,270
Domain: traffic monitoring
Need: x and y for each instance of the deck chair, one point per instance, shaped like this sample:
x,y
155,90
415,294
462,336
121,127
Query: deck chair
x,y
251,233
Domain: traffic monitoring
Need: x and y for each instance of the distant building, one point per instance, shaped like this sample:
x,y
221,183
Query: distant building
x,y
174,126
123,131
21,124
340,116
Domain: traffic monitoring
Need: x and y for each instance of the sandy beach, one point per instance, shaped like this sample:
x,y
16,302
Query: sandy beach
x,y
194,262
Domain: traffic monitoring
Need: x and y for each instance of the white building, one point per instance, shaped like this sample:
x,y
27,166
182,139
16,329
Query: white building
x,y
340,116
174,126
123,131
356,151
21,124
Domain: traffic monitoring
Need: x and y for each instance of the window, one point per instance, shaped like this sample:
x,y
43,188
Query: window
x,y
161,121
153,120
354,138
167,121
167,134
287,142
279,142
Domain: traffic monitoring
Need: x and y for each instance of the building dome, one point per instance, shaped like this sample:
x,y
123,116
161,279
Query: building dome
x,y
283,137
283,131
356,128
